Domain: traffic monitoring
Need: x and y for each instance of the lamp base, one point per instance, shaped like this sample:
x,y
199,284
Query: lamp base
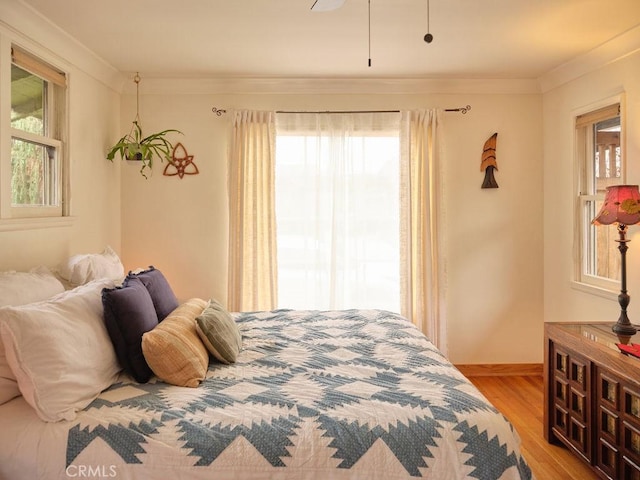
x,y
624,329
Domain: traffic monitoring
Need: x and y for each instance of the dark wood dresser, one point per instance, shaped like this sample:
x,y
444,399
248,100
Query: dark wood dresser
x,y
592,397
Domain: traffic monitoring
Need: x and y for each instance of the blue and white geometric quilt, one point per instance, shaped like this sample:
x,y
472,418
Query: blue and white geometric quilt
x,y
335,394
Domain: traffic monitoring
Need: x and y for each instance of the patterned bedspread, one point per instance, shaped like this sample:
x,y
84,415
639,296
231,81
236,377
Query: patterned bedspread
x,y
338,394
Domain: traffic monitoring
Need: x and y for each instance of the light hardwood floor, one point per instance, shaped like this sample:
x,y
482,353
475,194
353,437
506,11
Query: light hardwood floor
x,y
520,399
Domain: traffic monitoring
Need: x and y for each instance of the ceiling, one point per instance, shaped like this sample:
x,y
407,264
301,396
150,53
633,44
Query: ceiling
x,y
488,39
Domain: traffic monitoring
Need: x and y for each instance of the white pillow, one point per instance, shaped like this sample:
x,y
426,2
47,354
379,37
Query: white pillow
x,y
84,268
8,384
60,351
19,288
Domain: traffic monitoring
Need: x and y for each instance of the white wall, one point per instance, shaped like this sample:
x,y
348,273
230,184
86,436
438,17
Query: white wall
x,y
94,112
562,301
493,237
179,226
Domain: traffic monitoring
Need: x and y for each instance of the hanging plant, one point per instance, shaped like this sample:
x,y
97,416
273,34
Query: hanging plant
x,y
135,146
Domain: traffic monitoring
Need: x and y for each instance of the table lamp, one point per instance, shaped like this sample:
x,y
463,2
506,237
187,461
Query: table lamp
x,y
621,206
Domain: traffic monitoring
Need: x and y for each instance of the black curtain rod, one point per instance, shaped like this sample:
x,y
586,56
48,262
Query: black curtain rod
x,y
337,111
462,110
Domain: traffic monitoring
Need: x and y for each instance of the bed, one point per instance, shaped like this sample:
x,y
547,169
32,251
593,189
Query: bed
x,y
312,394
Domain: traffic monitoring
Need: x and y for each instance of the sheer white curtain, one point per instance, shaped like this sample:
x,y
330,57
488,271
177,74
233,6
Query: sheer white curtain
x,y
423,270
338,210
252,237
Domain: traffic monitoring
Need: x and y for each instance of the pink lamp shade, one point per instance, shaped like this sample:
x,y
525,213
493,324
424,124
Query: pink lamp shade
x,y
621,205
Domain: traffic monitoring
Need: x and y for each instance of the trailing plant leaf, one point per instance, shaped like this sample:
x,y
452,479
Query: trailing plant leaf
x,y
133,146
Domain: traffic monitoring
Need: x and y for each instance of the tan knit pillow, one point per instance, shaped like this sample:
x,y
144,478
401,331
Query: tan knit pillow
x,y
173,349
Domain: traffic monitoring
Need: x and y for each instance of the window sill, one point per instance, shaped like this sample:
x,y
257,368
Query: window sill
x,y
593,290
36,223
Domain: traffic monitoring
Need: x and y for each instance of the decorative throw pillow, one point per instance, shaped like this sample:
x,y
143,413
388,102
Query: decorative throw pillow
x,y
219,332
128,314
173,349
59,351
164,300
83,268
20,288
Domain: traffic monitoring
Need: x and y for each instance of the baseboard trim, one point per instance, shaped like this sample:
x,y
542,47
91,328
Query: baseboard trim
x,y
501,369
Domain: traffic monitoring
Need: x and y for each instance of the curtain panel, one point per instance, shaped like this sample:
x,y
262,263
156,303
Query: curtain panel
x,y
422,254
252,228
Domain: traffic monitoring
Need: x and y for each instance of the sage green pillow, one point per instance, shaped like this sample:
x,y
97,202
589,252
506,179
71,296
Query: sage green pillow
x,y
219,332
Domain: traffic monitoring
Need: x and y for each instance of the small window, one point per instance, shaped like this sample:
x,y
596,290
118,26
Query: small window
x,y
600,161
37,123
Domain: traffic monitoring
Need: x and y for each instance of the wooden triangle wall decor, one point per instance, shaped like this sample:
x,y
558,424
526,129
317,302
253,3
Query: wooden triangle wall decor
x,y
181,163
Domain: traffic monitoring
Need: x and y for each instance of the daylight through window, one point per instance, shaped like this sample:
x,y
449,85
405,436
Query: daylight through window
x,y
601,165
337,215
37,122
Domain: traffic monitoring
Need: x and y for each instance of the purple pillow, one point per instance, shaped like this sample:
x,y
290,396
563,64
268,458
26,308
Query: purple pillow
x,y
164,300
128,314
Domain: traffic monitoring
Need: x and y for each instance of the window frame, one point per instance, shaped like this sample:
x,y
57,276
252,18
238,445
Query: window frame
x,y
57,98
586,196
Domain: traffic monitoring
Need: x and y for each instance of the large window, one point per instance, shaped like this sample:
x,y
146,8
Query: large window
x,y
337,212
37,130
600,165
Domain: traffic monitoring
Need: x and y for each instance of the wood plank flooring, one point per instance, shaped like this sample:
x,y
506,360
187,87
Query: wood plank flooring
x,y
520,399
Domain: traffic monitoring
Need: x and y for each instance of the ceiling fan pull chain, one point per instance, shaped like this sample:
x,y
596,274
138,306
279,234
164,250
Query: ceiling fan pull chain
x,y
428,37
369,32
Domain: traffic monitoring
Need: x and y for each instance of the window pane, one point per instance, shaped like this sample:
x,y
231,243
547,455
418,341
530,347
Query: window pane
x,y
605,258
34,177
606,153
27,101
608,171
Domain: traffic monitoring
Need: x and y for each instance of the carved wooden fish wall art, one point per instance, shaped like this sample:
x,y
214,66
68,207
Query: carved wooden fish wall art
x,y
489,163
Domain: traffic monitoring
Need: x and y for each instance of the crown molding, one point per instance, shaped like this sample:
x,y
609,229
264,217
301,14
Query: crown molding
x,y
352,86
612,51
